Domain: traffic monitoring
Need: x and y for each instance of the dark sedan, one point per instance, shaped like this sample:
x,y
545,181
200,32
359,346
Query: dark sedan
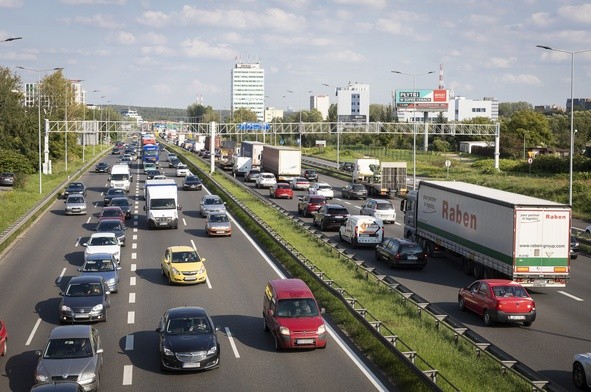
x,y
112,226
102,167
111,193
153,173
399,252
74,188
192,183
309,203
123,203
330,216
86,299
354,191
188,340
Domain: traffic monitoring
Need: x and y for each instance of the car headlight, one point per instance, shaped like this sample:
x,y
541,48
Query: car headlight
x,y
97,308
111,281
87,376
321,329
284,330
175,271
201,270
66,308
167,351
212,350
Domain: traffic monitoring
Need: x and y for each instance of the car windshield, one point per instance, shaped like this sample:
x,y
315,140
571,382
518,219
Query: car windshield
x,y
120,202
188,325
185,257
115,191
111,213
98,266
102,241
293,308
384,206
84,290
68,348
317,200
213,201
109,225
283,186
358,187
75,199
76,186
162,204
509,291
192,179
324,186
218,218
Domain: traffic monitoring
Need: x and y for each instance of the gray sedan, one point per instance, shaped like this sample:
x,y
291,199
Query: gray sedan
x,y
73,352
104,265
75,205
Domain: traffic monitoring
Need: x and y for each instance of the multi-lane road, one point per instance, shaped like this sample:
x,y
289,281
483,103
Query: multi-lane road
x,y
37,267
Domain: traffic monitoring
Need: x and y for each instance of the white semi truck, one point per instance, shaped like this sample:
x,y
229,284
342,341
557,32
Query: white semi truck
x,y
387,179
161,204
284,162
497,233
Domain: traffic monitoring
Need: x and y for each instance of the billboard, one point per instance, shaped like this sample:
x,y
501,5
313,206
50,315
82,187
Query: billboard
x,y
421,100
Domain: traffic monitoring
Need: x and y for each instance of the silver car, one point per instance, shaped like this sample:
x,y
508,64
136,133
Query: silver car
x,y
75,205
72,353
381,209
105,265
210,204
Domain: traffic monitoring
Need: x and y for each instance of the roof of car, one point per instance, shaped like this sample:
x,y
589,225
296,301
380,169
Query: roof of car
x,y
181,248
185,311
103,234
70,331
86,279
100,256
290,288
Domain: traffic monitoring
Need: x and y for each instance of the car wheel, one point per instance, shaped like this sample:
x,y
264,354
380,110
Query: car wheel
x,y
162,272
527,323
462,304
487,318
322,227
265,326
277,345
579,377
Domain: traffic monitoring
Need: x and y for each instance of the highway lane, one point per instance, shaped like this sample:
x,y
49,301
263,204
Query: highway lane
x,y
237,274
560,330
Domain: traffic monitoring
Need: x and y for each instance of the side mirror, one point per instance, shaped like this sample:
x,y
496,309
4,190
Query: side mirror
x,y
79,269
322,310
118,268
61,294
203,259
99,351
38,353
179,207
85,244
158,329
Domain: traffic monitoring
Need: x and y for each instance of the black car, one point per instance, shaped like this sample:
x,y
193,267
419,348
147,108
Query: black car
x,y
574,247
188,340
310,175
7,179
173,161
399,252
347,166
354,191
111,193
112,226
86,299
75,188
116,151
123,202
153,173
330,216
192,183
102,167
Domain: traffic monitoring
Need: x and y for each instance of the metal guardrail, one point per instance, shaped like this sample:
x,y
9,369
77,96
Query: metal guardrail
x,y
507,364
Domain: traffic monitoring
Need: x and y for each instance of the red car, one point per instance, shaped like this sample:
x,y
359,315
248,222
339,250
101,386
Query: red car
x,y
3,338
112,213
281,190
310,203
498,300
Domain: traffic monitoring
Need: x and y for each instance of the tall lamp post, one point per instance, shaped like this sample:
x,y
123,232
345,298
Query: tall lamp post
x,y
38,90
572,118
338,128
414,122
68,88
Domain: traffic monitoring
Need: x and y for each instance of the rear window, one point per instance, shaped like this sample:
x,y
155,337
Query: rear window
x,y
317,200
338,211
358,187
384,206
410,249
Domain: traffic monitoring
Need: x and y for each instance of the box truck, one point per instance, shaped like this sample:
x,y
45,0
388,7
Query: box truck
x,y
161,203
497,233
253,150
284,162
241,165
387,179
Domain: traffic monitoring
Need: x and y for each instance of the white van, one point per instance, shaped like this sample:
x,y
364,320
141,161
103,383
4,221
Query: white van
x,y
361,230
120,177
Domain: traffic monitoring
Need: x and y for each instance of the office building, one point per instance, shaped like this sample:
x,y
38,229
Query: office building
x,y
248,88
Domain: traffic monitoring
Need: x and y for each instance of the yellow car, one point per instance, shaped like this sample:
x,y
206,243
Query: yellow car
x,y
182,264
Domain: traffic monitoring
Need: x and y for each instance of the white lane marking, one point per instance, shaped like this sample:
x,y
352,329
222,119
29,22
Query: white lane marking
x,y
134,237
136,217
88,220
131,298
129,343
134,256
193,243
571,296
135,222
136,202
77,241
132,280
133,267
231,339
59,279
130,317
184,222
134,245
135,229
208,282
32,334
127,374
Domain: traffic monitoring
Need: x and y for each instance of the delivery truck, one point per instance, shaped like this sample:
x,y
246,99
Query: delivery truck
x,y
386,179
241,165
284,162
161,204
496,233
252,149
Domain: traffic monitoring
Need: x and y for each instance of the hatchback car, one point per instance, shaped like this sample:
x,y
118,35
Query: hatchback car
x,y
354,191
7,179
182,264
192,183
103,243
308,204
321,188
330,216
104,265
281,190
112,212
151,174
102,167
265,180
75,205
72,353
112,226
111,193
310,175
182,170
252,175
217,224
399,252
210,204
149,166
172,162
582,370
123,203
3,339
75,188
299,183
85,299
187,340
381,209
498,300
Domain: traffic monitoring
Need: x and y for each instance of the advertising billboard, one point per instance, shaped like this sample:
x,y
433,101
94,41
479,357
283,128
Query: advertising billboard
x,y
421,100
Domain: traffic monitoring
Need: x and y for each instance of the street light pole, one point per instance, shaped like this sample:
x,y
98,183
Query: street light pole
x,y
414,122
38,90
572,117
338,129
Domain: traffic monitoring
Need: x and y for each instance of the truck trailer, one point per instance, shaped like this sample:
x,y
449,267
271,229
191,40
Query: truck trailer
x,y
496,233
387,179
284,162
252,149
161,204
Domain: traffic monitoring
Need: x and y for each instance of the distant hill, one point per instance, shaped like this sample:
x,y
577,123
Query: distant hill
x,y
154,113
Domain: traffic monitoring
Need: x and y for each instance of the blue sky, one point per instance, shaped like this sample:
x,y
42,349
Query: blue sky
x,y
173,53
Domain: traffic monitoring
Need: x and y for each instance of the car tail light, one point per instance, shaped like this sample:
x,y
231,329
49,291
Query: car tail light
x,y
356,228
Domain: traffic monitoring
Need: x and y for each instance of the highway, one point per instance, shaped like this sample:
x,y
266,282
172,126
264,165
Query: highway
x,y
561,328
37,267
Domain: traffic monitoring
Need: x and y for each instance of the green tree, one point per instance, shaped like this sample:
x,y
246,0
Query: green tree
x,y
506,109
241,115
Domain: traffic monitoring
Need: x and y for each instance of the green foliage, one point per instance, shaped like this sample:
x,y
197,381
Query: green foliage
x,y
441,145
13,161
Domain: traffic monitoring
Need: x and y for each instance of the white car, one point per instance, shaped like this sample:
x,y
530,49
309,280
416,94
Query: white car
x,y
381,209
582,370
266,180
321,188
103,242
182,170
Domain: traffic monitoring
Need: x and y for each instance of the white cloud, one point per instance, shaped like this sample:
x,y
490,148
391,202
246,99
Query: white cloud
x,y
346,55
578,13
94,2
524,79
198,48
541,19
497,62
235,38
122,38
157,51
155,19
363,3
154,38
103,21
11,3
162,88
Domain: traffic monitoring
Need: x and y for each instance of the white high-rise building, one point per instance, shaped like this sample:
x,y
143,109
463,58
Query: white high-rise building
x,y
248,88
353,103
320,103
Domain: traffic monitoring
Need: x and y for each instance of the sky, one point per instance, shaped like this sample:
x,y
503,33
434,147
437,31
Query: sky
x,y
172,53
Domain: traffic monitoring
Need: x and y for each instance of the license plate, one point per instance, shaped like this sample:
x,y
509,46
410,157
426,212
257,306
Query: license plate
x,y
163,223
220,232
411,257
516,317
191,278
187,365
81,316
305,341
